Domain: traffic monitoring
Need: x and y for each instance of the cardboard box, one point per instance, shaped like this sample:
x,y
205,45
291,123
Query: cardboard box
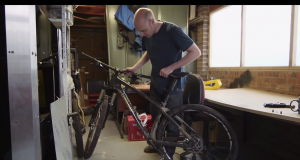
x,y
83,94
199,128
125,121
134,132
72,61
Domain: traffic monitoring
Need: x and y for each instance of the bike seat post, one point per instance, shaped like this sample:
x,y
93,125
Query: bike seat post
x,y
169,90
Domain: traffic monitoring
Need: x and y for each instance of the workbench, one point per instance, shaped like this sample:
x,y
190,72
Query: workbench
x,y
252,100
263,133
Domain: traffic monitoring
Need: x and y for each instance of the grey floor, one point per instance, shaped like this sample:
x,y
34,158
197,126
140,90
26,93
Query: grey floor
x,y
112,147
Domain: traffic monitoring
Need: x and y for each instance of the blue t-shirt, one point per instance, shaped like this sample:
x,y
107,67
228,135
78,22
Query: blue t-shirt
x,y
165,48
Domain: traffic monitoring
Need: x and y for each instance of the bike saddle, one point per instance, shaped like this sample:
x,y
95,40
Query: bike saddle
x,y
179,74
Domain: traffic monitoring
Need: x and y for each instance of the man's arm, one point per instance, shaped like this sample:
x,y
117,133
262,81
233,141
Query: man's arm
x,y
193,53
140,63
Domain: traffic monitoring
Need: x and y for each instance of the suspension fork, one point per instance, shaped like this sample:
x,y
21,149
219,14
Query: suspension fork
x,y
97,107
109,107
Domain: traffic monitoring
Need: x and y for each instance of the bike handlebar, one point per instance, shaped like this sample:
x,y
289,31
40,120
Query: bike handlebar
x,y
101,64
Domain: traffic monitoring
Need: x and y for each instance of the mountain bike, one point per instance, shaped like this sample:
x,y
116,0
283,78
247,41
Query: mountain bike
x,y
189,144
77,114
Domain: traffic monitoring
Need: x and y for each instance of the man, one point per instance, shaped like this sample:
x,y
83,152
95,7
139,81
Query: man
x,y
164,43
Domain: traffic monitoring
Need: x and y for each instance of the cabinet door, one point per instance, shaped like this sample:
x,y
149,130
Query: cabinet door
x,y
92,73
99,74
83,43
99,46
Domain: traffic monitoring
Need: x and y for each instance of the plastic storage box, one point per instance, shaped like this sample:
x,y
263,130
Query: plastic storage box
x,y
134,132
55,12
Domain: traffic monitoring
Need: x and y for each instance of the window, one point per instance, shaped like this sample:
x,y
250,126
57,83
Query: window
x,y
254,36
267,31
297,36
225,37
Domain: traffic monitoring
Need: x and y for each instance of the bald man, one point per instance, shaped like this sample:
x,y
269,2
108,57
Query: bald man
x,y
164,43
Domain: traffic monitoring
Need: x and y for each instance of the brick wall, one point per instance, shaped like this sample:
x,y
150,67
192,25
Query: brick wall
x,y
202,41
285,82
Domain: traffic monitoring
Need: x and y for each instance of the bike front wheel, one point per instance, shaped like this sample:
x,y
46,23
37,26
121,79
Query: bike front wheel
x,y
78,129
95,129
211,139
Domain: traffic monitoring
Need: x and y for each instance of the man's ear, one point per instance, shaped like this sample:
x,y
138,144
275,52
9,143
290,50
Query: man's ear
x,y
152,21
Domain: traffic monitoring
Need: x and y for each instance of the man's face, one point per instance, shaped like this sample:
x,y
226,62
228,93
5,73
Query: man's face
x,y
145,28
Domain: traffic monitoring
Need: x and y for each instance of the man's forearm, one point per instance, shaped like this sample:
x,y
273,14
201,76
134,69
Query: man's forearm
x,y
190,57
142,61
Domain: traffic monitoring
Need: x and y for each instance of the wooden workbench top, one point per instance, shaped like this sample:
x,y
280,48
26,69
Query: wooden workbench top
x,y
142,87
252,100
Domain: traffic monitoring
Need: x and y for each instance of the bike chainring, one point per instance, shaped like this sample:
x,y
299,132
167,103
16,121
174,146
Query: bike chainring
x,y
196,144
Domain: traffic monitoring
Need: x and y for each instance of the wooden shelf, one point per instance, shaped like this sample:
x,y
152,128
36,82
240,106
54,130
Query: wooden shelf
x,y
58,22
196,20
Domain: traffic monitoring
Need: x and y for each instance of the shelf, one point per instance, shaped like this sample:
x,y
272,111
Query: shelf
x,y
57,22
196,20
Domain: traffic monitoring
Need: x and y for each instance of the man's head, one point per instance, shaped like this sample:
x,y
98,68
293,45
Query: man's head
x,y
145,22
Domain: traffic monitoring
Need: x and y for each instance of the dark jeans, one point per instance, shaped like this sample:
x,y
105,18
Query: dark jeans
x,y
174,101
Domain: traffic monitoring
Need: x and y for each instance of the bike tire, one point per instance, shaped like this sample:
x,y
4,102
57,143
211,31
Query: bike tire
x,y
77,128
233,142
94,135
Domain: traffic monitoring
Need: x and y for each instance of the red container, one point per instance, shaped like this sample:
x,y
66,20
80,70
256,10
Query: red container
x,y
134,132
93,99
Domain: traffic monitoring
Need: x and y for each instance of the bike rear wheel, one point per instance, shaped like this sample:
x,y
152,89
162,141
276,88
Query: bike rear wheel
x,y
95,129
215,141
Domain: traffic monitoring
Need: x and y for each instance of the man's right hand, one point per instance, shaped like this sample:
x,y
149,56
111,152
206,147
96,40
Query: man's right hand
x,y
129,70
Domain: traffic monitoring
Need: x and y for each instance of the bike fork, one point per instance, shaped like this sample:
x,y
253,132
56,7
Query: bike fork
x,y
97,107
109,107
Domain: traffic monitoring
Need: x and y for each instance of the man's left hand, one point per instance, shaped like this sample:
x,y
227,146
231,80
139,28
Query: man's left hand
x,y
165,72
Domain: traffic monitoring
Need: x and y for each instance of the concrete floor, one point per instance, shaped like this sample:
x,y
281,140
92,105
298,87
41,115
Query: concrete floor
x,y
112,147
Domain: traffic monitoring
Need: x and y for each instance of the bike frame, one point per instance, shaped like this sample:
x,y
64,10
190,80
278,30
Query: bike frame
x,y
114,86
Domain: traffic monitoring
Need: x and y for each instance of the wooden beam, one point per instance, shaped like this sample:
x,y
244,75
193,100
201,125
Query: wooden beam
x,y
90,10
104,17
98,6
86,20
89,26
44,9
